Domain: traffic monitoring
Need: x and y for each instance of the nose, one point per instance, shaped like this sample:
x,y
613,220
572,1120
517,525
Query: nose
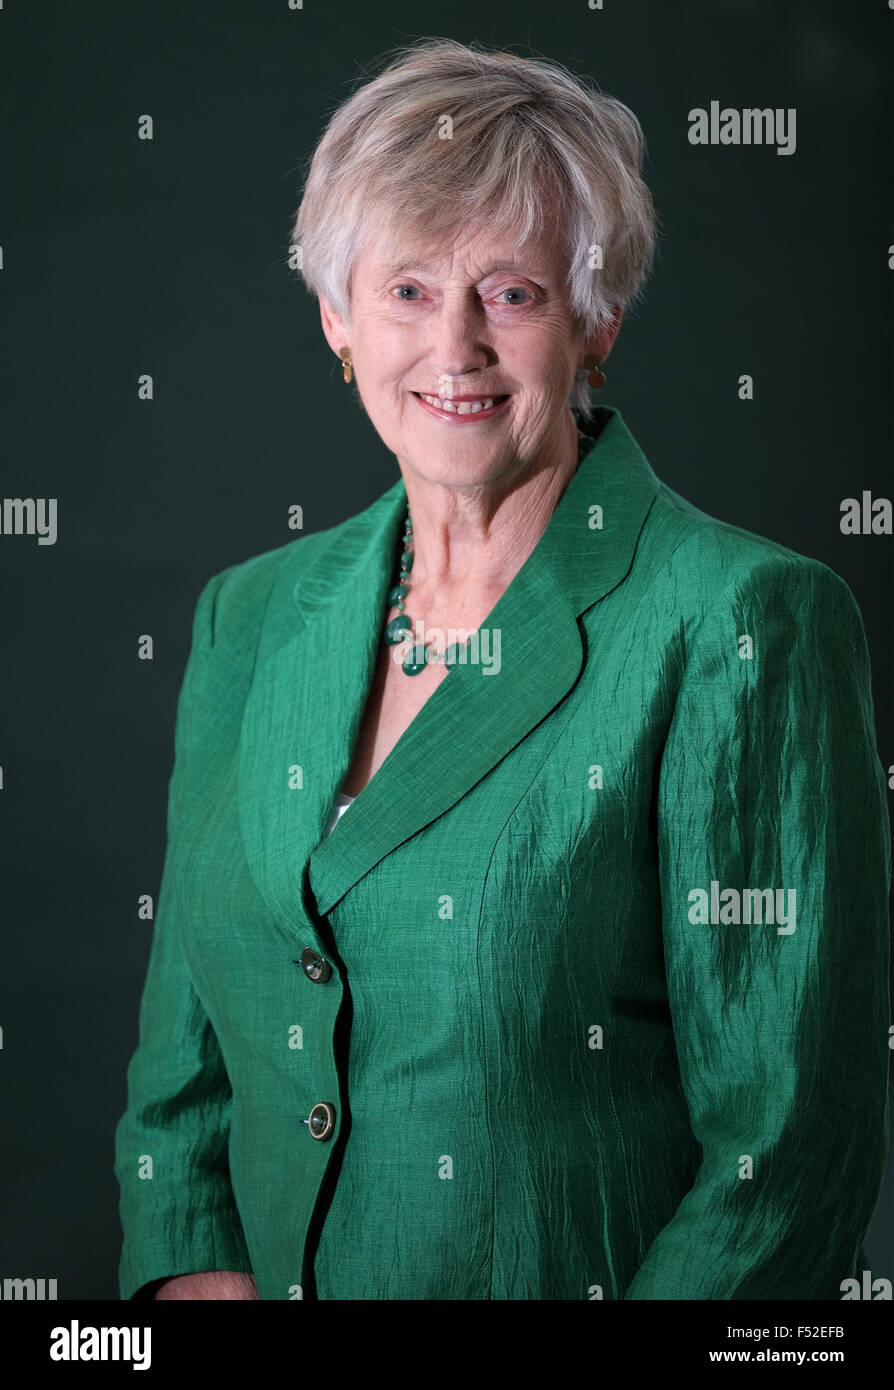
x,y
461,345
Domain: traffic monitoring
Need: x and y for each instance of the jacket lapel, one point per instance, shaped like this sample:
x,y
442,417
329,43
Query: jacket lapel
x,y
315,665
317,661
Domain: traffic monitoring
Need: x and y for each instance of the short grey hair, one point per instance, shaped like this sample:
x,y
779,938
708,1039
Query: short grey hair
x,y
532,148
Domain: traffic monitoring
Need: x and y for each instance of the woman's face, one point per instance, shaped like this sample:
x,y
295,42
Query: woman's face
x,y
486,322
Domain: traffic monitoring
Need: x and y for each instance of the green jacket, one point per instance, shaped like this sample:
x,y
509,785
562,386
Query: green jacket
x,y
598,978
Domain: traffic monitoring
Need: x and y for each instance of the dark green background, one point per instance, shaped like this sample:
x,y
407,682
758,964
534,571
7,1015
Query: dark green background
x,y
169,257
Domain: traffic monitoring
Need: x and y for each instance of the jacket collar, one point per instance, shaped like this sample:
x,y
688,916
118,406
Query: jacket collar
x,y
321,637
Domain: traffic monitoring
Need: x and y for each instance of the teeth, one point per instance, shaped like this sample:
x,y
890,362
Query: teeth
x,y
458,407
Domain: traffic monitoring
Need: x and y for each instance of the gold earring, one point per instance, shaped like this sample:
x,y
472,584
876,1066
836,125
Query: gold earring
x,y
345,356
596,377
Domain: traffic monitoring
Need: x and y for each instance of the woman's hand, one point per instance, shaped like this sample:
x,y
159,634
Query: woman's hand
x,y
217,1283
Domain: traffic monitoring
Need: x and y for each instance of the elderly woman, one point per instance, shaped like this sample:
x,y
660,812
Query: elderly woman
x,y
522,931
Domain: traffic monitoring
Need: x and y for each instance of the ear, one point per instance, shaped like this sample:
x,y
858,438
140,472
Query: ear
x,y
337,333
600,344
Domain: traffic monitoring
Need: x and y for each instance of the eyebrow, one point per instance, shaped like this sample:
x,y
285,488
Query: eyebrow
x,y
400,267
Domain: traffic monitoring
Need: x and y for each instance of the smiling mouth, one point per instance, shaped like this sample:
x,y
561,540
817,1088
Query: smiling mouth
x,y
462,406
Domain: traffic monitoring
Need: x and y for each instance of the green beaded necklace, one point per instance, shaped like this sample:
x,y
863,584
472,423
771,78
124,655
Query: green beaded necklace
x,y
400,629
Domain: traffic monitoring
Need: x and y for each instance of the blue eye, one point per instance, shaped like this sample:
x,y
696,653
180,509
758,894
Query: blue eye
x,y
404,287
516,289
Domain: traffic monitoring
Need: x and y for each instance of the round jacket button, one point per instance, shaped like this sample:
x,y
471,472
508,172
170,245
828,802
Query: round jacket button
x,y
314,966
321,1120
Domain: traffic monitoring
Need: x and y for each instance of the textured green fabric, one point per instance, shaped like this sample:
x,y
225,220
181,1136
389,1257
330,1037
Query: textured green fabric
x,y
515,878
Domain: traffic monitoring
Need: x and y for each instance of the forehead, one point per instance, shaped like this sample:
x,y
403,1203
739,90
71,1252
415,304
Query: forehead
x,y
468,258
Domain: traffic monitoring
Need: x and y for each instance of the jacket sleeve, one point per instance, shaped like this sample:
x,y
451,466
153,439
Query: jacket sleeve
x,y
176,1204
770,780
